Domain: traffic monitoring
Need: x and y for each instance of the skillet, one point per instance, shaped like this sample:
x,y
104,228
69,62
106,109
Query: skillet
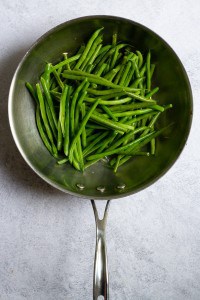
x,y
100,182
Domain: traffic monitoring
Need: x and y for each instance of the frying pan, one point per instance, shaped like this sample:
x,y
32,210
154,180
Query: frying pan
x,y
99,181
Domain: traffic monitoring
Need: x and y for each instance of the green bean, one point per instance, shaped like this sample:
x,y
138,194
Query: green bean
x,y
59,71
101,113
143,91
75,160
132,113
67,66
95,126
56,95
98,73
104,58
46,74
78,108
102,52
84,136
59,137
138,75
44,118
104,92
111,124
155,90
79,103
119,157
114,58
114,96
115,54
65,62
90,163
140,59
143,70
153,146
51,121
63,108
87,48
152,70
62,161
141,98
148,71
114,160
111,74
97,41
80,153
151,124
49,100
110,102
137,119
95,54
114,39
79,52
168,106
57,77
67,122
124,76
82,125
120,55
130,75
135,63
73,105
41,130
107,69
89,68
125,107
31,91
158,107
109,112
119,74
53,83
81,75
137,82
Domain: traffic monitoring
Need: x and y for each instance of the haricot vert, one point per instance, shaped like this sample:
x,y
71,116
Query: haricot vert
x,y
98,102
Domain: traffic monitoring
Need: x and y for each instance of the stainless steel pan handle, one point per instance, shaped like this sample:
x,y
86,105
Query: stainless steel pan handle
x,y
100,281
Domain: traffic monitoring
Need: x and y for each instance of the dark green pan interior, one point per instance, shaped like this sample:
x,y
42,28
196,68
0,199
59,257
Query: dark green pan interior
x,y
139,172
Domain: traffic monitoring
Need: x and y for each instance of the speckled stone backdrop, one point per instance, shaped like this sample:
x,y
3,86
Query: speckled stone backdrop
x,y
47,238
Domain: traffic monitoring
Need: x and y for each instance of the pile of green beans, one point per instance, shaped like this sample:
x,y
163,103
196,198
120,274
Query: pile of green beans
x,y
98,103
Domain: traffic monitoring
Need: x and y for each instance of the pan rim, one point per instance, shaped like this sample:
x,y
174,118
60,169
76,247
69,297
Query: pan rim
x,y
40,174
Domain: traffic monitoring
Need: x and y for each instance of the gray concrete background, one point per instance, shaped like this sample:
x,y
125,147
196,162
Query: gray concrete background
x,y
47,238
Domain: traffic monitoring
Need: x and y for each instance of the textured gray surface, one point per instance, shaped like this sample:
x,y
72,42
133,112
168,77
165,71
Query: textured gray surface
x,y
47,238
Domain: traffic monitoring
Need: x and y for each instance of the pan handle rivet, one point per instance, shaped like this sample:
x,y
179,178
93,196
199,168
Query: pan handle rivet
x,y
121,186
80,186
101,189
